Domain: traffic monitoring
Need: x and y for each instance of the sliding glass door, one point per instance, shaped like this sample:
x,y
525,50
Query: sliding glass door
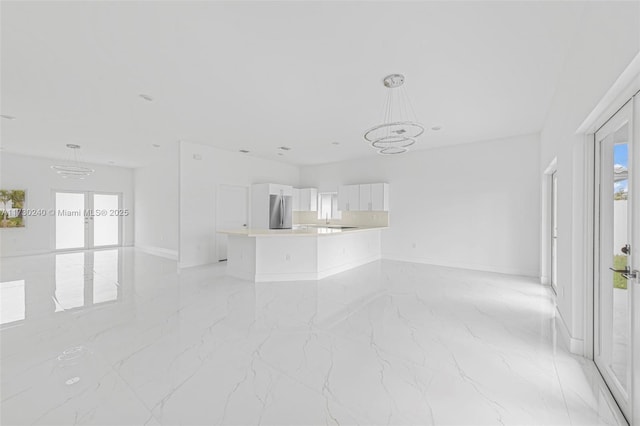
x,y
85,220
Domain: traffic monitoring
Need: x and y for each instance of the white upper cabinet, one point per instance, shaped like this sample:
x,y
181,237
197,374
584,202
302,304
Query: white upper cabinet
x,y
307,199
313,199
304,200
349,198
277,189
380,197
296,199
364,197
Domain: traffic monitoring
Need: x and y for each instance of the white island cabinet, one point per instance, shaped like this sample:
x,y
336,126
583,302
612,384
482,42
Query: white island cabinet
x,y
299,254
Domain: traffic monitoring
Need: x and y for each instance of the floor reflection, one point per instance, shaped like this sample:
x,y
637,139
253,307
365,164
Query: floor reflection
x,y
81,280
12,302
137,341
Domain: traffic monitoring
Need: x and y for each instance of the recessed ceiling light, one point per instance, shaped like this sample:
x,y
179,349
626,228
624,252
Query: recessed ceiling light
x,y
436,128
284,148
335,143
73,146
244,151
112,162
8,117
155,145
146,97
280,153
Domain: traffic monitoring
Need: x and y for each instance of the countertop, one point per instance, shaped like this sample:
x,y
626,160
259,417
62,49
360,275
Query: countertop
x,y
300,231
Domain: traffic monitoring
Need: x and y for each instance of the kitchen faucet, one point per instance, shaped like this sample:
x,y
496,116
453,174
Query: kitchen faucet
x,y
327,219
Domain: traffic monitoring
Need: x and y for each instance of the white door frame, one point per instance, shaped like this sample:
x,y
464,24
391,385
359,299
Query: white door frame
x,y
624,88
546,243
624,115
219,210
634,180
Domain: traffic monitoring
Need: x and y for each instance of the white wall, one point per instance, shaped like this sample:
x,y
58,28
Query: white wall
x,y
34,175
607,39
157,202
198,186
474,206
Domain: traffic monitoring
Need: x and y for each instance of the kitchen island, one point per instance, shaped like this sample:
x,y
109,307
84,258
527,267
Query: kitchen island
x,y
303,253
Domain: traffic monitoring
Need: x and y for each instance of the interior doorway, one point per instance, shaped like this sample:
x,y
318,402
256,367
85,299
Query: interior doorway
x,y
87,219
232,213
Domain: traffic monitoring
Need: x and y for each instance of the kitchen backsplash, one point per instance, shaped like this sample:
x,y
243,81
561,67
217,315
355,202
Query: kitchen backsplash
x,y
348,218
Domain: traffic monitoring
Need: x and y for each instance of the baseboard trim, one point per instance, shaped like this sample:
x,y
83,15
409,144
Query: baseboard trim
x,y
471,267
158,251
49,251
26,253
575,346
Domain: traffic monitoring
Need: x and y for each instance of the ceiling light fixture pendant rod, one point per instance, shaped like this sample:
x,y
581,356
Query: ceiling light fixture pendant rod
x,y
399,126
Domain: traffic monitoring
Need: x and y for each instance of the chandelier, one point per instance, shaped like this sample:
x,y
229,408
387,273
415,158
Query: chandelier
x,y
73,169
399,128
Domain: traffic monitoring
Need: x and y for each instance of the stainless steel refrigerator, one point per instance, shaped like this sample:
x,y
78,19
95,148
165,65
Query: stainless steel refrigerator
x,y
280,211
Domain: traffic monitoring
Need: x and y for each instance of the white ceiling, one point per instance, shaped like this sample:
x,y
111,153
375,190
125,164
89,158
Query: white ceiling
x,y
259,75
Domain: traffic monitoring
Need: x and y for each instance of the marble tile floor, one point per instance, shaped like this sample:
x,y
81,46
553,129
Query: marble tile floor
x,y
120,337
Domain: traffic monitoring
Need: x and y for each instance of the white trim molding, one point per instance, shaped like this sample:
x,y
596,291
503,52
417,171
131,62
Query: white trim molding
x,y
468,266
574,345
545,225
623,89
159,251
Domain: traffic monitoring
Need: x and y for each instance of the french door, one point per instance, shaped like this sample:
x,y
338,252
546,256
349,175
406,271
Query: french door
x,y
85,220
616,306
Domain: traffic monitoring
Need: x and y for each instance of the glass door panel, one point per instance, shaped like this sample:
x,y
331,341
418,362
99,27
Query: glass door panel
x,y
106,220
70,220
86,220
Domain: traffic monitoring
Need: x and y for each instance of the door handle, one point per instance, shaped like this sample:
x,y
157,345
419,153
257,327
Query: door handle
x,y
626,273
621,271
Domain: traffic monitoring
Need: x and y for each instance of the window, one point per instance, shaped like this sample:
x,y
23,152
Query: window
x,y
328,206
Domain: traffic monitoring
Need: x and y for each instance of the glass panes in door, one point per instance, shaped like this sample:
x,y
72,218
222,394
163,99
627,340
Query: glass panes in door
x,y
70,220
106,220
87,220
